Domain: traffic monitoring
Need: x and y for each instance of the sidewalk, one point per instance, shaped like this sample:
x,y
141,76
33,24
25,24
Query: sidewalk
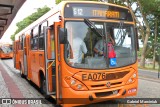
x,y
8,88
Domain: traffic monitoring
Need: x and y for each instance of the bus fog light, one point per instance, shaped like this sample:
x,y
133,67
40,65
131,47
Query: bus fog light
x,y
73,82
79,86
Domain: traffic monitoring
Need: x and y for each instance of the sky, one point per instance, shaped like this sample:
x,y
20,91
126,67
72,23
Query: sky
x,y
29,7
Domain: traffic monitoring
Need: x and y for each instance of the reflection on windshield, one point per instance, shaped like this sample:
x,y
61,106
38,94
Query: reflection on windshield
x,y
86,49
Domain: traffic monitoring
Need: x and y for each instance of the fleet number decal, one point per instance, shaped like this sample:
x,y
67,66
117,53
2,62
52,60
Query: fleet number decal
x,y
94,76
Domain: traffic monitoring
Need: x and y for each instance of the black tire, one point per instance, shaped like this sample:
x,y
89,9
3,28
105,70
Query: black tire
x,y
43,87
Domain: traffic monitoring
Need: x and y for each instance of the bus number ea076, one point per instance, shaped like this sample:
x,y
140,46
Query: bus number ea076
x,y
78,12
94,76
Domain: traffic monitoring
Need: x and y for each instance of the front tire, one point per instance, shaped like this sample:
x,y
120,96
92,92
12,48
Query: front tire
x,y
44,87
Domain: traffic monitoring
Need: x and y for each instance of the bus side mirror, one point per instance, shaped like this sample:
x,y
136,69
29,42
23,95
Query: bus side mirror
x,y
62,36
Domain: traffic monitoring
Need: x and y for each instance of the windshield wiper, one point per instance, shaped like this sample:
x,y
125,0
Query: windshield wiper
x,y
92,27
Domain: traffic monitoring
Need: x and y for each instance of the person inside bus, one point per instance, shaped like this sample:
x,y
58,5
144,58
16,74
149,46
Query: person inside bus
x,y
77,45
99,47
79,48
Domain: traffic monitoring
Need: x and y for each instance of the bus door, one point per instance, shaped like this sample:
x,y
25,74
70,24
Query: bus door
x,y
50,69
25,55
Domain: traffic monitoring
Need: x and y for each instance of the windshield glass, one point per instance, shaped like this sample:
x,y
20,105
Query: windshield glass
x,y
6,49
113,46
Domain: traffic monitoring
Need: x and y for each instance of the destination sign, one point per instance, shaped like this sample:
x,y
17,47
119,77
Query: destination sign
x,y
96,11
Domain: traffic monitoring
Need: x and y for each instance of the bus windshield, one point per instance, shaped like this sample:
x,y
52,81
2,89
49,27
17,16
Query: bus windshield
x,y
6,49
88,49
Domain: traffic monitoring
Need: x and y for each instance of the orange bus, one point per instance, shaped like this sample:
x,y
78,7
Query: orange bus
x,y
57,53
6,51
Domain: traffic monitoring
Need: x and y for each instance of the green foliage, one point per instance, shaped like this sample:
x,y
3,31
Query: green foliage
x,y
150,7
58,1
30,19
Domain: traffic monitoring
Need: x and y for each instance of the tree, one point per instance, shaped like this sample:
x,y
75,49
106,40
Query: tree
x,y
30,19
144,10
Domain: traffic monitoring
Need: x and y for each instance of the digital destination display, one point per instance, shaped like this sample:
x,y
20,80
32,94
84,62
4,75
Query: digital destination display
x,y
96,11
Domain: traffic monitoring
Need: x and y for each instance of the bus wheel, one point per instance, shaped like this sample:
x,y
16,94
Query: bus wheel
x,y
43,87
21,73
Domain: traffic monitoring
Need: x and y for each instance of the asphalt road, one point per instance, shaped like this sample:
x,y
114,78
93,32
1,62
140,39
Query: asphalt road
x,y
148,87
148,73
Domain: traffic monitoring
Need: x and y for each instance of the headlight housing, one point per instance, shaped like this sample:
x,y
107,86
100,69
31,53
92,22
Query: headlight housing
x,y
132,78
75,84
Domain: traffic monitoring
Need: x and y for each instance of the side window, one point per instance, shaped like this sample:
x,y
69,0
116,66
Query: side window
x,y
41,35
34,38
21,42
41,43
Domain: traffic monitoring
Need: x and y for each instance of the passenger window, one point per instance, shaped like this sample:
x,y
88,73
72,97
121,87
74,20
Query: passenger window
x,y
34,42
41,35
34,38
41,43
21,42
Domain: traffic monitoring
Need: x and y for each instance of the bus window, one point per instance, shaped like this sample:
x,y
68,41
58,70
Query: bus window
x,y
34,42
41,35
34,39
21,42
41,43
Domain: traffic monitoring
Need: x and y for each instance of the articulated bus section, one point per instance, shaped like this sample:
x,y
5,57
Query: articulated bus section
x,y
57,53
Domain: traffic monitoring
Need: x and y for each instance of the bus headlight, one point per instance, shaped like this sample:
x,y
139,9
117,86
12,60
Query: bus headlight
x,y
132,78
75,84
79,86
